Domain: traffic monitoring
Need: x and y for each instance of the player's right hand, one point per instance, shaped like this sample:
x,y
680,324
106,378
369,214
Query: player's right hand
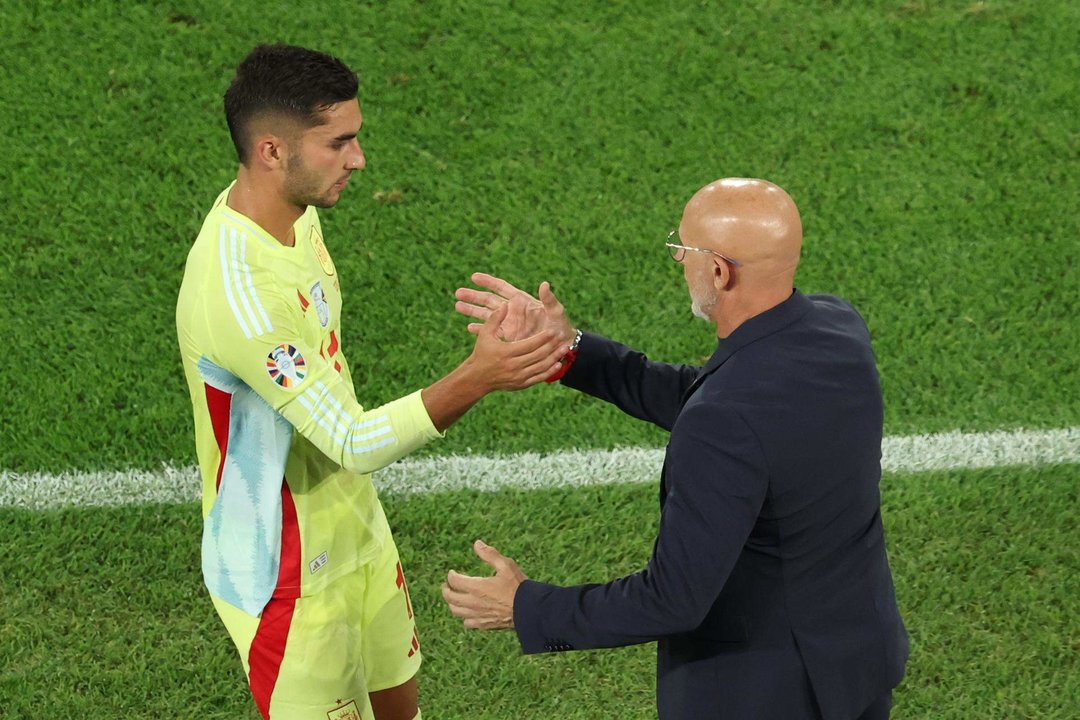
x,y
514,364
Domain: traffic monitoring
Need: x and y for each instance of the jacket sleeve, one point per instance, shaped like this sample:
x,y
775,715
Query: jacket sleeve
x,y
716,478
640,387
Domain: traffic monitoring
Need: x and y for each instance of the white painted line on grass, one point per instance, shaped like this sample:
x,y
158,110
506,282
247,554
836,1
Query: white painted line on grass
x,y
570,468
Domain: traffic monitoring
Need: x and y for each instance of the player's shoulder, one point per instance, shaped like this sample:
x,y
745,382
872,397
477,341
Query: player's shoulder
x,y
213,218
223,225
234,265
235,243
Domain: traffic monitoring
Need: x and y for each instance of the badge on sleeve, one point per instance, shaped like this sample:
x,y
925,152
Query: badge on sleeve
x,y
321,306
285,366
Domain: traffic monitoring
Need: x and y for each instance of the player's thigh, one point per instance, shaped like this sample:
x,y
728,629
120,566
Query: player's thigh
x,y
363,639
390,643
322,671
302,657
396,703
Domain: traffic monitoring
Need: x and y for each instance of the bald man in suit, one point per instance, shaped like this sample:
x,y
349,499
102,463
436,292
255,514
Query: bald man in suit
x,y
768,590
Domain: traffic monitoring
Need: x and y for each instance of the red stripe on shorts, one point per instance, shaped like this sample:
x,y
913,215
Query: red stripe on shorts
x,y
219,403
268,646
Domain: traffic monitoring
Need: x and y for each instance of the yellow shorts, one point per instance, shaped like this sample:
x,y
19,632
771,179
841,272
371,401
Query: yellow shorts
x,y
317,657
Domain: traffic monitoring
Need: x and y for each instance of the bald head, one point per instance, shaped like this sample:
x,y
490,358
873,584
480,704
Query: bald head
x,y
755,225
752,221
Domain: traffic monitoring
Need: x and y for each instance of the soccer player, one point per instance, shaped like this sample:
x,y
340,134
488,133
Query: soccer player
x,y
296,551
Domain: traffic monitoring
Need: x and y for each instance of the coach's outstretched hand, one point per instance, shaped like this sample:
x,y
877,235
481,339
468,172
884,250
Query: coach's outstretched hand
x,y
525,315
498,363
494,364
485,603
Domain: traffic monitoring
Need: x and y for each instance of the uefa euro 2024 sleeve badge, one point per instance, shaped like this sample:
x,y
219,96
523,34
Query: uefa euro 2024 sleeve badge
x,y
286,366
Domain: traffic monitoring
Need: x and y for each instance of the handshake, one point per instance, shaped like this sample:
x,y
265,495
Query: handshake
x,y
520,339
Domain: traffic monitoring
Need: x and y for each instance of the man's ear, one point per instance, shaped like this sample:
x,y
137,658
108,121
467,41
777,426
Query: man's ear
x,y
723,274
269,151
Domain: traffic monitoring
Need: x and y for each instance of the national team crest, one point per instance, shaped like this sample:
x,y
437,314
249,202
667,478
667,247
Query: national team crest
x,y
321,253
321,306
348,711
286,366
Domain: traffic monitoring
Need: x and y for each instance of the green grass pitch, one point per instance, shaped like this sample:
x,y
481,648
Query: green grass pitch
x,y
932,148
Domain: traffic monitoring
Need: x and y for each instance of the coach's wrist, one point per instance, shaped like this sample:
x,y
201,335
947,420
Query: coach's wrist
x,y
576,339
567,360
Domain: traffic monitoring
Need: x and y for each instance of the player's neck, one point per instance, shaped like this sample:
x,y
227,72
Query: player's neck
x,y
259,199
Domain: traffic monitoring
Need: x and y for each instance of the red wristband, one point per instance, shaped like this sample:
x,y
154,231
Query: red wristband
x,y
567,360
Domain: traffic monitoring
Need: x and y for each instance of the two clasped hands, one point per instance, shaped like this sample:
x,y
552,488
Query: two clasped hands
x,y
487,603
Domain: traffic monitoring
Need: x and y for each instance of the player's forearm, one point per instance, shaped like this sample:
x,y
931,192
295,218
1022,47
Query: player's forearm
x,y
361,441
449,398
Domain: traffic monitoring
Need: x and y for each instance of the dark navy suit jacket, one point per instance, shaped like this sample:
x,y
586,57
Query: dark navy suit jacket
x,y
768,589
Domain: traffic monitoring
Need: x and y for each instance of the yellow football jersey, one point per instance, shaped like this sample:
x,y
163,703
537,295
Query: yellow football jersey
x,y
285,450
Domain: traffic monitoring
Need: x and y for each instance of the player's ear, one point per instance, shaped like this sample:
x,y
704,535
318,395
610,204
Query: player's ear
x,y
269,150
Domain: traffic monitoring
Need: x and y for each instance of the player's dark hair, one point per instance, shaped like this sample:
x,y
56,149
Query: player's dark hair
x,y
286,80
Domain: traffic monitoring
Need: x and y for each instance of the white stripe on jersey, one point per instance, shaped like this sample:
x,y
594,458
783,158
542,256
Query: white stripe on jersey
x,y
373,434
376,446
337,432
330,420
369,423
357,440
330,415
251,284
226,277
253,230
327,398
329,403
239,267
359,447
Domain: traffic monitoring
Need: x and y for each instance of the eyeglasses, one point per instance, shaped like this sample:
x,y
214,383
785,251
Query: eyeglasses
x,y
678,252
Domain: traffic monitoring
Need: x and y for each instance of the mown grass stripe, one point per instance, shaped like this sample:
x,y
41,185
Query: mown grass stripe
x,y
570,468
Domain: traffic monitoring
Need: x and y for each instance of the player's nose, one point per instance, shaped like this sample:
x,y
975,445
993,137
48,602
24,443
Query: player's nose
x,y
356,160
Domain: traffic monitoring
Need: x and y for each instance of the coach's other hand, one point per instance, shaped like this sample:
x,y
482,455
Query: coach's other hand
x,y
485,603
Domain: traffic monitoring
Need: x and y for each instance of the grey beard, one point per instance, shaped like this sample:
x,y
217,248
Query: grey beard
x,y
701,309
